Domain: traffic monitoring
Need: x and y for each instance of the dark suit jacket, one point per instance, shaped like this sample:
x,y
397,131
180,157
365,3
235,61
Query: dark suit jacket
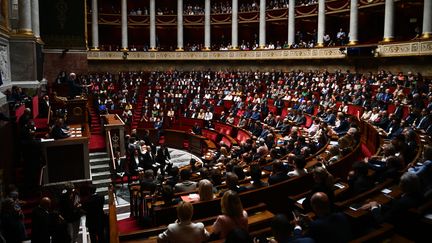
x,y
273,179
43,109
41,226
331,228
57,133
94,212
342,128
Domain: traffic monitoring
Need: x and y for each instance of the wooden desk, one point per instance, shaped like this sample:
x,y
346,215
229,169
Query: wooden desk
x,y
67,159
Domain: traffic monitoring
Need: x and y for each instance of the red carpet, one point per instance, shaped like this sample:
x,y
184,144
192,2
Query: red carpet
x,y
97,143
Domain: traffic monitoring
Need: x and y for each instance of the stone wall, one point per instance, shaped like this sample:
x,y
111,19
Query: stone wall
x,y
58,60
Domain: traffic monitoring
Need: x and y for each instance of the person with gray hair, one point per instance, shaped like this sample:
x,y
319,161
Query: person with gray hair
x,y
424,169
395,211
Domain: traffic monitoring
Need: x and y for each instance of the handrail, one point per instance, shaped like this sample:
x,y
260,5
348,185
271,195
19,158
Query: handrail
x,y
111,152
113,227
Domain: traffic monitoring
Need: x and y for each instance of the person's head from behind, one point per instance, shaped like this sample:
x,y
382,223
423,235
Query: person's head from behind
x,y
299,162
255,173
281,228
231,180
45,203
410,183
320,203
231,204
185,174
167,194
205,190
184,211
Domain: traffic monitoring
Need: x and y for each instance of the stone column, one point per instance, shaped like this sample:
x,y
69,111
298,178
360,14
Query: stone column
x,y
152,25
291,22
389,21
353,39
234,25
262,24
207,26
427,19
25,15
95,25
35,18
321,23
179,25
124,25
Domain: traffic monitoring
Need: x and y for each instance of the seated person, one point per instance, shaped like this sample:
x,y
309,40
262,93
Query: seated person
x,y
232,183
205,190
394,212
196,129
183,230
278,174
299,166
284,232
148,183
256,182
186,184
328,226
233,216
59,131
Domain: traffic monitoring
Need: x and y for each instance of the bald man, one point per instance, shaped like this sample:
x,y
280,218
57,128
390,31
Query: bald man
x,y
328,226
41,222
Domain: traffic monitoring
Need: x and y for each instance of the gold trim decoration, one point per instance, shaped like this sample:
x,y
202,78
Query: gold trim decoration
x,y
409,48
283,15
285,54
352,43
255,17
104,21
388,39
25,32
426,35
338,8
307,13
320,44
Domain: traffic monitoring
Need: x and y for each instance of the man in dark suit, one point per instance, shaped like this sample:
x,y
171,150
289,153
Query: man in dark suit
x,y
58,131
196,129
328,226
44,107
95,216
42,222
343,127
398,112
395,212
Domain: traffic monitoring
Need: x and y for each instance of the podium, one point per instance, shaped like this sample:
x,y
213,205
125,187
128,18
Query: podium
x,y
67,159
114,131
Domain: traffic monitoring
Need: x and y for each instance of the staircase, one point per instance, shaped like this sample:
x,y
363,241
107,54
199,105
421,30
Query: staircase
x,y
96,128
100,172
97,139
138,109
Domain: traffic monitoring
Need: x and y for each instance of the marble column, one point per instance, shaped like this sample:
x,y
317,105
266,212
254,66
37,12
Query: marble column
x,y
321,23
95,25
35,18
207,26
25,15
389,21
234,25
353,39
427,19
152,25
124,25
262,24
291,22
180,25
